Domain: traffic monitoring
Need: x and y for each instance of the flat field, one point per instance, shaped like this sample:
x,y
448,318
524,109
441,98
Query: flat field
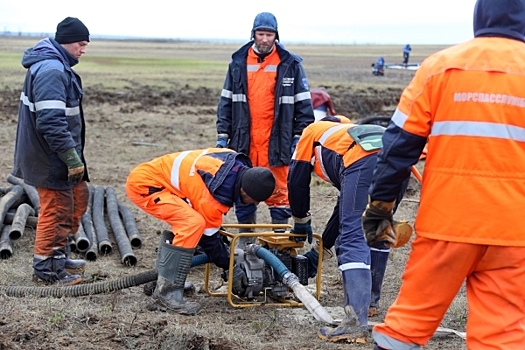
x,y
164,95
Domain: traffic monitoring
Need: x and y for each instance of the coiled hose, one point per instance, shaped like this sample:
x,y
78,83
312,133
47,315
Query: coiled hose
x,y
92,288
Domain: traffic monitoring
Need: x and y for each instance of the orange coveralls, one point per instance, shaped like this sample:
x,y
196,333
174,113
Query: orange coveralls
x,y
469,226
179,197
261,92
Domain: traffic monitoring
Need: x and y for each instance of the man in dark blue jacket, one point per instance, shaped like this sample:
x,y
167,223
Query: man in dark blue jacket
x,y
264,106
49,149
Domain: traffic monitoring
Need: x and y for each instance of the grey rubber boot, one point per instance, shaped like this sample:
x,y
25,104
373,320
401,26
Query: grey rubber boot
x,y
354,326
173,266
379,260
244,241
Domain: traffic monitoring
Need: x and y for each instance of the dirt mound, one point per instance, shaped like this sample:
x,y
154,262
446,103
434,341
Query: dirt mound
x,y
354,104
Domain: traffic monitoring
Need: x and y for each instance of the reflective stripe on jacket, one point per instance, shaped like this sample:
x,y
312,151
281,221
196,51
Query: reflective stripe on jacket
x,y
325,147
292,112
469,101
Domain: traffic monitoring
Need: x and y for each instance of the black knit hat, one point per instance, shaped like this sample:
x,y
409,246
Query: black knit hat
x,y
258,183
71,30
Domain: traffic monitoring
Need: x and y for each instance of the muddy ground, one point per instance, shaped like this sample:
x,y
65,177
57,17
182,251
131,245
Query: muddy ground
x,y
165,121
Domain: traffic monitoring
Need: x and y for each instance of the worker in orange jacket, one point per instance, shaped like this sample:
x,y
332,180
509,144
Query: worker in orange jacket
x,y
264,107
342,154
468,101
192,191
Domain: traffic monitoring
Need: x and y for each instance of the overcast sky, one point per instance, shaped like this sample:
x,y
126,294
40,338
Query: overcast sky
x,y
326,21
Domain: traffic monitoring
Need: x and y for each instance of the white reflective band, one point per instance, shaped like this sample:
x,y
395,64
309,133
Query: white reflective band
x,y
175,169
211,231
270,68
192,169
226,93
287,100
353,266
73,111
239,98
479,129
26,102
319,155
303,96
252,67
399,118
50,104
330,131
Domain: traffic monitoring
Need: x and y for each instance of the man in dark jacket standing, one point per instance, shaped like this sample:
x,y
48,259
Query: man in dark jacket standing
x,y
264,106
49,147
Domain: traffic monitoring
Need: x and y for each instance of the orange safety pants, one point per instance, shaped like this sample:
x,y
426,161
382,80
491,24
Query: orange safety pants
x,y
186,224
60,214
434,273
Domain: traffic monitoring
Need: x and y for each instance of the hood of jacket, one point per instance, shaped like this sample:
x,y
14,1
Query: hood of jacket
x,y
47,49
500,18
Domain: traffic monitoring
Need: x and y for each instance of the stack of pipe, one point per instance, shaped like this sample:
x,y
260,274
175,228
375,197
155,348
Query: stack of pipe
x,y
19,206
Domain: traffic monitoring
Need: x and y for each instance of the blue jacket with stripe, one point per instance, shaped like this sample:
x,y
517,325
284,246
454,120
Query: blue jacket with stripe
x,y
293,105
50,117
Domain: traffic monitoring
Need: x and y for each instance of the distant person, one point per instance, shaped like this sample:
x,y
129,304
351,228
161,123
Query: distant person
x,y
406,53
468,101
379,67
264,106
49,148
343,154
192,191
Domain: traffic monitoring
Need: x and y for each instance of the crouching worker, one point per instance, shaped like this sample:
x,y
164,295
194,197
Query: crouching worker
x,y
192,191
344,155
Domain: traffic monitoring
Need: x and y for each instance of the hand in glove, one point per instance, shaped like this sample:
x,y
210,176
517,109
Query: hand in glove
x,y
222,141
294,144
75,167
240,281
303,226
378,222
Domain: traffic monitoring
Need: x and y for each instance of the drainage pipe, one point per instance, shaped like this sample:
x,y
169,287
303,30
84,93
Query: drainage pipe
x,y
124,246
30,191
18,224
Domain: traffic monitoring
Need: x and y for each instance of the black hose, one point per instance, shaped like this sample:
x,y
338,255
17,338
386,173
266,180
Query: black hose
x,y
80,290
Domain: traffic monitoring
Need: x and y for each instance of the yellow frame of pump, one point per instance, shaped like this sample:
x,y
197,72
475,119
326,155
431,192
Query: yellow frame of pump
x,y
234,237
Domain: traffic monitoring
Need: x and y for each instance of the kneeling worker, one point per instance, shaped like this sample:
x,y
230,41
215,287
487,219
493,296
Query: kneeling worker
x,y
192,191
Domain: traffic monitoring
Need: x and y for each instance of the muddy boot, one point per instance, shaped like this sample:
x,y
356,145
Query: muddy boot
x,y
173,265
52,270
379,259
189,288
348,330
244,241
354,326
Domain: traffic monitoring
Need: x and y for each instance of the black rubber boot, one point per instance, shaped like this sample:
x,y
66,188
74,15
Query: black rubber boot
x,y
173,264
379,260
281,222
52,270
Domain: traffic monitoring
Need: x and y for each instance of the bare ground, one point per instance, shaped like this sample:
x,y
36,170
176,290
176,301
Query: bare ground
x,y
172,120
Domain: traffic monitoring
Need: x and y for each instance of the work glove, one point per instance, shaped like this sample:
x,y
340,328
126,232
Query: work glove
x,y
295,140
75,167
303,226
222,141
378,222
